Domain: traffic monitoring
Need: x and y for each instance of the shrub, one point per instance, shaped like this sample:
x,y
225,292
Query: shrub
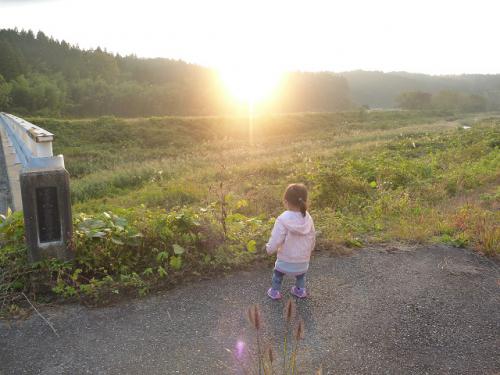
x,y
339,190
135,251
478,227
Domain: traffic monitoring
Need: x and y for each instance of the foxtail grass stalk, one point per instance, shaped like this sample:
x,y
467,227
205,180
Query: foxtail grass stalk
x,y
270,357
255,318
284,352
299,335
293,358
288,315
259,353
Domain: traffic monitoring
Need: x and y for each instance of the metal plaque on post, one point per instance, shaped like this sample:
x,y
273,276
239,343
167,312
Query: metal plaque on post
x,y
47,213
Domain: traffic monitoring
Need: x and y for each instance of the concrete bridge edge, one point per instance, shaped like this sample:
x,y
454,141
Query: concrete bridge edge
x,y
13,171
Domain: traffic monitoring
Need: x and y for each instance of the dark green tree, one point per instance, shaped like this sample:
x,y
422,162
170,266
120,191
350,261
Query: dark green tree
x,y
414,100
11,61
5,88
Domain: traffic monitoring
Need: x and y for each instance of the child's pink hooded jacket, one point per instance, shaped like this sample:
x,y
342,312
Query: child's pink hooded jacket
x,y
293,237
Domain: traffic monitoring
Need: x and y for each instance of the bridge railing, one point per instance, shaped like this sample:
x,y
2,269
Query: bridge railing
x,y
39,186
33,145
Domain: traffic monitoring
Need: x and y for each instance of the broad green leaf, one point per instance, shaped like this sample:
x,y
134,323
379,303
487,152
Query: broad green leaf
x,y
241,203
251,246
69,291
74,277
176,262
98,235
178,250
17,285
117,241
162,256
148,271
207,258
93,223
162,272
121,221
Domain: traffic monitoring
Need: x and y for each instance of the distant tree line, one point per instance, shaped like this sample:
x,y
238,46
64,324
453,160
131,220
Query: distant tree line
x,y
446,100
383,90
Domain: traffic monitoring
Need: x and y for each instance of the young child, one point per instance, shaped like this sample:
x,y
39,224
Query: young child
x,y
293,238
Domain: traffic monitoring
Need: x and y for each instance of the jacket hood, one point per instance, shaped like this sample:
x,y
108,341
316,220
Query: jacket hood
x,y
295,222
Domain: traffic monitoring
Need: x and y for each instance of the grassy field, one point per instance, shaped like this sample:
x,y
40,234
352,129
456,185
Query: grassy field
x,y
356,164
156,199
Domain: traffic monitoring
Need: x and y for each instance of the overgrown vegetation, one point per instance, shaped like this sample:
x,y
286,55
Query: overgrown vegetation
x,y
139,250
161,199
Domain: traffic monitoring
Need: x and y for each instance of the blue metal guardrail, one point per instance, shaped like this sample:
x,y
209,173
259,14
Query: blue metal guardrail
x,y
32,144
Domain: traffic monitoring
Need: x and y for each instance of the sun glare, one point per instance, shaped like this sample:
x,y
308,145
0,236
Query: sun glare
x,y
250,84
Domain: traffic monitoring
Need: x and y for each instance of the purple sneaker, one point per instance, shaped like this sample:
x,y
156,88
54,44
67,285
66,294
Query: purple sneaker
x,y
298,292
273,293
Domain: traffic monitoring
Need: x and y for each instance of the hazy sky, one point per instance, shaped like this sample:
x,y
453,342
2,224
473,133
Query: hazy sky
x,y
437,37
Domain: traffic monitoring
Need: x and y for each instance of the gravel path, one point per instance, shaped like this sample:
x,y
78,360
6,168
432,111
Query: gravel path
x,y
4,184
428,310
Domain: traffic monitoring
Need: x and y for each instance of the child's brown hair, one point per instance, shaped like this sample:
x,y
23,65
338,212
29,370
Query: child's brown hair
x,y
296,195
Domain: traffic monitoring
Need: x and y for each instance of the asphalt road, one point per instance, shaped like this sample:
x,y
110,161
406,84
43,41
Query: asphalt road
x,y
393,310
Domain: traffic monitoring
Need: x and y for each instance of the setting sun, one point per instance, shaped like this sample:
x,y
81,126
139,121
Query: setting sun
x,y
250,84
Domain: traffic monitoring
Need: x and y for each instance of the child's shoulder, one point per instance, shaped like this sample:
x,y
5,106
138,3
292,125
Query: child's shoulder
x,y
287,215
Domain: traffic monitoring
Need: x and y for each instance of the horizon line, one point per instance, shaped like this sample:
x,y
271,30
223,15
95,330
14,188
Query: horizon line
x,y
210,66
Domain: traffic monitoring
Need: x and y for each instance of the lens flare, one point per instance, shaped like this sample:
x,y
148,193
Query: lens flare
x,y
240,348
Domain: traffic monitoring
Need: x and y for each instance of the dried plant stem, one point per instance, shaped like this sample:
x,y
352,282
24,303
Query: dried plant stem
x,y
294,356
285,351
271,370
41,316
288,315
259,353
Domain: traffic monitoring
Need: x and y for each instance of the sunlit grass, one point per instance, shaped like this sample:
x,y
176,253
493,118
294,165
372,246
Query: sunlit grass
x,y
268,158
177,162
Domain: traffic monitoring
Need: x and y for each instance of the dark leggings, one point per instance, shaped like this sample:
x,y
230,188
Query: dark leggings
x,y
300,280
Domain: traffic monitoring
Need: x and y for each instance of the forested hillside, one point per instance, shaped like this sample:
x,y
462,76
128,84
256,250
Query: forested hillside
x,y
40,75
381,90
43,76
